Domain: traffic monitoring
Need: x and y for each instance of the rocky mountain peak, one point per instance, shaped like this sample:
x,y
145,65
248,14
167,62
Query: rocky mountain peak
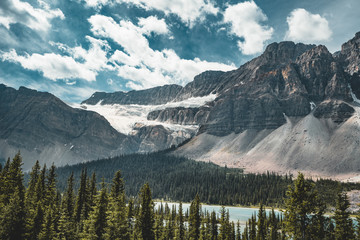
x,y
284,52
350,54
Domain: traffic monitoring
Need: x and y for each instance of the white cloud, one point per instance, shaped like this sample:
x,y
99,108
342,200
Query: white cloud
x,y
153,24
307,27
188,10
84,64
141,65
16,11
245,19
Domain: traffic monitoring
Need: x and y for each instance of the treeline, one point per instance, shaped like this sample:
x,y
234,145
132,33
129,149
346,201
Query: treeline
x,y
180,179
40,211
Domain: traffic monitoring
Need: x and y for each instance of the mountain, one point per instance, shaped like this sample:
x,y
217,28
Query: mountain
x,y
293,108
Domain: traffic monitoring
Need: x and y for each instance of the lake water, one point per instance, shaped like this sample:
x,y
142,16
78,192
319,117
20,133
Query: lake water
x,y
241,214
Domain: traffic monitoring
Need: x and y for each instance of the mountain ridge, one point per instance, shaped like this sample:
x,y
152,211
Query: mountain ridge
x,y
253,116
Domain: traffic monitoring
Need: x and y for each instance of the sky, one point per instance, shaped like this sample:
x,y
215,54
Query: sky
x,y
73,48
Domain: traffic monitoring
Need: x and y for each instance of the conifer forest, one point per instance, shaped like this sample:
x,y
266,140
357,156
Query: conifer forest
x,y
92,208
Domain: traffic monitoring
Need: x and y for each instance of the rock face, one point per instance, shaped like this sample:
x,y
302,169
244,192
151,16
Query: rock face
x,y
154,96
181,115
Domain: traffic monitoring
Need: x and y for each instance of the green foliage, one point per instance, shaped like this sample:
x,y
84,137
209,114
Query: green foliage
x,y
145,220
344,225
41,212
195,218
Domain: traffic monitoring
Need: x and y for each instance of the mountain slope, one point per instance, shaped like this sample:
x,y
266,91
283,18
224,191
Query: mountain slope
x,y
45,128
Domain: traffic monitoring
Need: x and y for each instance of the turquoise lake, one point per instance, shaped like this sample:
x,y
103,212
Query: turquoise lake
x,y
241,214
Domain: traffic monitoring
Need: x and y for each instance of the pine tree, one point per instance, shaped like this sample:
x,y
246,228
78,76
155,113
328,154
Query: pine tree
x,y
117,225
30,192
96,225
225,228
213,226
34,223
12,222
50,189
343,223
274,227
180,231
69,198
145,220
48,230
40,186
300,203
261,224
13,214
81,197
66,225
195,219
238,231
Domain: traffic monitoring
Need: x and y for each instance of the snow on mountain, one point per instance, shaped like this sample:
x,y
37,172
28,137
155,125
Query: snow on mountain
x,y
124,117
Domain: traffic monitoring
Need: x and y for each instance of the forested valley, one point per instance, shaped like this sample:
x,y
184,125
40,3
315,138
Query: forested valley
x,y
95,206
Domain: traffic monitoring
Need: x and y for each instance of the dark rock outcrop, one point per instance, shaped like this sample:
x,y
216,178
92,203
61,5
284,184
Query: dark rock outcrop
x,y
338,111
181,115
152,96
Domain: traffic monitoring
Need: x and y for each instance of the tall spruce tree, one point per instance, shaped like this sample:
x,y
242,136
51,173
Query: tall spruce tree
x,y
343,223
301,202
180,231
81,197
145,220
117,225
261,223
195,218
95,226
13,214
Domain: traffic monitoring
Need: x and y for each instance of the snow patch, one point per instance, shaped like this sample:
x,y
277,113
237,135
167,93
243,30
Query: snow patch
x,y
355,99
312,105
124,117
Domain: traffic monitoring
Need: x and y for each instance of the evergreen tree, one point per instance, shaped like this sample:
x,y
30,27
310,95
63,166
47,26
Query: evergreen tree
x,y
48,229
34,223
30,201
96,225
261,224
343,223
81,197
225,228
180,231
117,225
274,227
13,214
300,203
12,222
66,225
195,218
145,220
213,226
40,186
50,198
69,198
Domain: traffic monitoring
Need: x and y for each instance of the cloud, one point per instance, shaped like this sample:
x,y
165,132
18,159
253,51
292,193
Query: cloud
x,y
245,19
83,64
307,27
188,10
141,65
153,24
16,11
